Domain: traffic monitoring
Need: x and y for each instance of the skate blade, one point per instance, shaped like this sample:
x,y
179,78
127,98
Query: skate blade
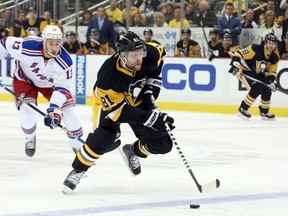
x,y
243,117
125,159
66,190
268,119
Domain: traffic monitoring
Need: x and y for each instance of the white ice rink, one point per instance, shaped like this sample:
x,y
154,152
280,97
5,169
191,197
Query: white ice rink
x,y
249,158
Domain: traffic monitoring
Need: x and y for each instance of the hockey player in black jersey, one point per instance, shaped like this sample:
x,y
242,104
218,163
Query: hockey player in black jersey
x,y
187,47
122,93
260,62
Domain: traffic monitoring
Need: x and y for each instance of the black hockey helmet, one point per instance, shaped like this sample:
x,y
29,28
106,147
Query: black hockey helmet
x,y
226,36
94,32
270,37
70,34
214,31
147,31
186,30
128,42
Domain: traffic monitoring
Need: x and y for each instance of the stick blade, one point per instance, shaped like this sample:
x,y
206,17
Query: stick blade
x,y
210,186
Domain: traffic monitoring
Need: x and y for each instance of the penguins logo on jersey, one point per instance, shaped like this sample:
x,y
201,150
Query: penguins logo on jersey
x,y
261,66
135,89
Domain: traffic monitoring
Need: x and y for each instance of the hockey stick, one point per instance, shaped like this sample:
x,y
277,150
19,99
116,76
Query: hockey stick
x,y
205,36
41,113
210,186
265,84
213,185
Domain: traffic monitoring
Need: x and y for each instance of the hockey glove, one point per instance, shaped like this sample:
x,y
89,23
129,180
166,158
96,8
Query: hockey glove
x,y
157,120
234,68
272,86
53,119
212,54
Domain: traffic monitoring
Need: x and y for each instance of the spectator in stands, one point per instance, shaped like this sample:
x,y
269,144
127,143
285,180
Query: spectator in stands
x,y
147,10
206,17
105,28
176,22
93,46
159,20
137,20
190,13
47,16
269,21
7,19
249,19
168,11
271,6
114,13
148,36
187,47
72,45
253,4
86,18
134,9
229,23
285,25
17,26
235,6
34,25
4,31
284,49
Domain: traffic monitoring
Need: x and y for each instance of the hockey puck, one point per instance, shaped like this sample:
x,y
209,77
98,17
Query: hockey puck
x,y
194,206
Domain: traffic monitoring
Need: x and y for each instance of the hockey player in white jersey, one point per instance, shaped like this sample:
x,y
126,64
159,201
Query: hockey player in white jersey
x,y
43,66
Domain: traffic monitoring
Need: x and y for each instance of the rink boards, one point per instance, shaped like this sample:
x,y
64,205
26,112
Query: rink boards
x,y
192,84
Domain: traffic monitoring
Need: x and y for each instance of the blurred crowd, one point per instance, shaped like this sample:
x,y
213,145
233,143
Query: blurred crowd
x,y
108,22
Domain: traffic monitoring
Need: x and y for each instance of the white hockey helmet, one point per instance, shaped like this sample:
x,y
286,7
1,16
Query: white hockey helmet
x,y
52,32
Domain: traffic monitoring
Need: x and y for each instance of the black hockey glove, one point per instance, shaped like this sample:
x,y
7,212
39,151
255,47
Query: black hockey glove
x,y
234,68
157,120
270,79
212,54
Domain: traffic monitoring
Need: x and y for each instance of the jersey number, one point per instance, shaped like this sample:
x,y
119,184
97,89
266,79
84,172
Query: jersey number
x,y
107,101
69,74
16,45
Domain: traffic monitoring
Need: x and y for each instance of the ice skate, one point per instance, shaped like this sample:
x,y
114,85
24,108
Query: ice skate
x,y
30,146
266,116
130,159
72,180
244,114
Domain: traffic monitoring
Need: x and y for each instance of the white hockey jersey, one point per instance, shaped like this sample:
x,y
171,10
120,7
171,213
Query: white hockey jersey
x,y
31,66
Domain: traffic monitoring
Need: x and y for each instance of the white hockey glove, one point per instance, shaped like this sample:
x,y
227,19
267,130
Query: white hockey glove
x,y
157,120
234,68
272,86
54,117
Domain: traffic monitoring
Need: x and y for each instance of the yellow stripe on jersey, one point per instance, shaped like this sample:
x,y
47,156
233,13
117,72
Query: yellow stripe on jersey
x,y
114,116
109,98
160,49
247,53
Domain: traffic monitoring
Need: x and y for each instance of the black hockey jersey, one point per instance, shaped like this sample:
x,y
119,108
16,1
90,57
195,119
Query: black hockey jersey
x,y
255,59
119,90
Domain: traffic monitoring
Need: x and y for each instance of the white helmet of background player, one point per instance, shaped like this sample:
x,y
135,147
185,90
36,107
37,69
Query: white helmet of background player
x,y
52,34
